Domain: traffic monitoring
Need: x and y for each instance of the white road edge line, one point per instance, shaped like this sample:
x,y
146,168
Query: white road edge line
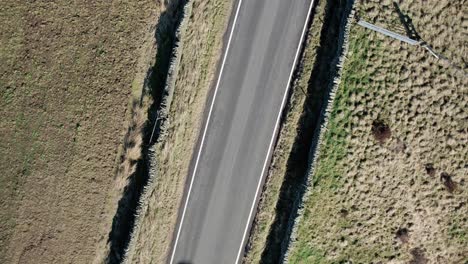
x,y
204,132
304,29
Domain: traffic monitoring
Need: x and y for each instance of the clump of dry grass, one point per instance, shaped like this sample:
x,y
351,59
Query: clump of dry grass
x,y
201,35
132,145
379,200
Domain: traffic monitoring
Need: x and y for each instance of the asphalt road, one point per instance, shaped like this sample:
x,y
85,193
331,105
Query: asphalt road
x,y
229,165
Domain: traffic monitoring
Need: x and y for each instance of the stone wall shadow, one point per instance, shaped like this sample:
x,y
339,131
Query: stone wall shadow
x,y
124,218
318,91
407,23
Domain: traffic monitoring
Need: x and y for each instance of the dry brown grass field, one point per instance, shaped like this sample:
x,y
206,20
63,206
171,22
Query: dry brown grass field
x,y
201,47
389,185
66,75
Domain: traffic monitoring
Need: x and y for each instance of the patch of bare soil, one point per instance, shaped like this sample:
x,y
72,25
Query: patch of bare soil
x,y
449,184
66,80
418,256
402,234
381,131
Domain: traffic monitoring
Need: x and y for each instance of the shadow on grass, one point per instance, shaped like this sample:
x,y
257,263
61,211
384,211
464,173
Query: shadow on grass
x,y
124,218
413,34
407,23
319,87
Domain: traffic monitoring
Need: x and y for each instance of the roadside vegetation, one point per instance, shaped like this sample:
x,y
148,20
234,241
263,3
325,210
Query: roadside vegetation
x,y
191,74
389,181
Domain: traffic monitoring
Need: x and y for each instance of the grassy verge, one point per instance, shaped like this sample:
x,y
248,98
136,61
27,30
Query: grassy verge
x,y
399,197
171,154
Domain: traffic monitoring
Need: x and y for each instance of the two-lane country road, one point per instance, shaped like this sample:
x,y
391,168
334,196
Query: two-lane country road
x,y
238,135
